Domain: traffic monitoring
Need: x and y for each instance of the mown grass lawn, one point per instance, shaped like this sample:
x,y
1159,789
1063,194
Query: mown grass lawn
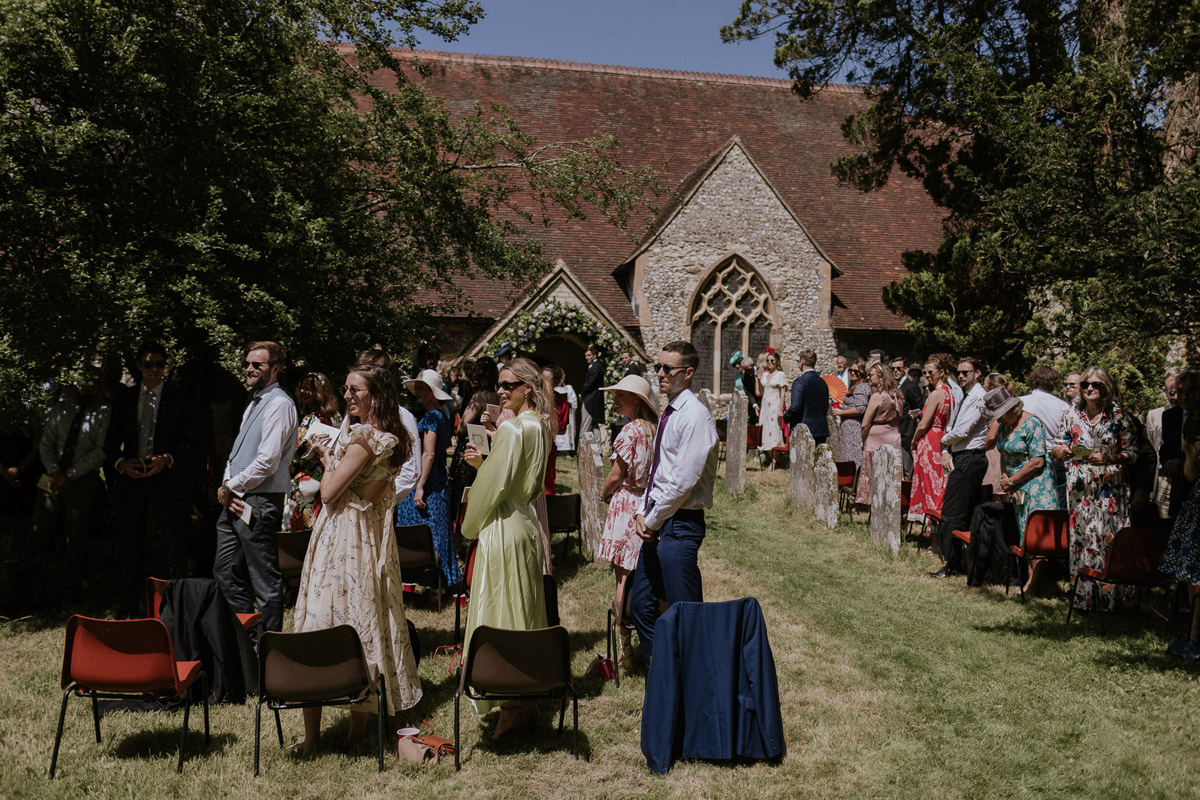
x,y
892,685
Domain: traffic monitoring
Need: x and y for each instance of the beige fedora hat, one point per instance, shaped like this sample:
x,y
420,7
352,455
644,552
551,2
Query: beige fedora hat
x,y
433,380
635,384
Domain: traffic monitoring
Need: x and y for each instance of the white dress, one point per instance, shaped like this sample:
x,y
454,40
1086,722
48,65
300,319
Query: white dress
x,y
565,440
774,385
351,572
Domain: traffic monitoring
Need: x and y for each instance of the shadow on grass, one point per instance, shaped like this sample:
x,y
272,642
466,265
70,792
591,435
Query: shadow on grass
x,y
545,739
164,743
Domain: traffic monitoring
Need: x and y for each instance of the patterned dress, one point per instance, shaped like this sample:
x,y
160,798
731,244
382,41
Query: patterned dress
x,y
1026,441
1181,560
620,543
851,427
1098,500
351,573
929,480
436,513
304,505
774,384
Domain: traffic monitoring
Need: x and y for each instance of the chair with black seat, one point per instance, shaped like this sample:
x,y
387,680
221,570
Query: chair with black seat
x,y
1047,535
618,616
293,545
314,668
415,550
126,659
563,513
156,588
1133,559
505,664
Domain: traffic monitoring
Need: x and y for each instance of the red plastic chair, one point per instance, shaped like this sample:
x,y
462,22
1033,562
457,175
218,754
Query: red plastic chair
x,y
157,587
847,477
126,659
1133,560
1046,539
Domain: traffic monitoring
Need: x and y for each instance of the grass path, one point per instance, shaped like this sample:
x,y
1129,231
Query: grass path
x,y
892,685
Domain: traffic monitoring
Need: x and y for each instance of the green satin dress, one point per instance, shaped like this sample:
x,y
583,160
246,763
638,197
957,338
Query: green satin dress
x,y
506,586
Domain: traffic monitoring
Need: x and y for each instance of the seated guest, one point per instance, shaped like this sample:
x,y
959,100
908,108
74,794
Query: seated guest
x,y
880,426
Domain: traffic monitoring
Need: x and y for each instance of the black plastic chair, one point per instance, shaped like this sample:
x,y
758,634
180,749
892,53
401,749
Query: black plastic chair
x,y
415,549
563,514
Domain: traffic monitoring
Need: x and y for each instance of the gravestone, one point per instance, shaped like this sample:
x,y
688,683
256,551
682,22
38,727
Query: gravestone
x,y
735,444
801,472
706,397
835,433
825,487
887,469
592,473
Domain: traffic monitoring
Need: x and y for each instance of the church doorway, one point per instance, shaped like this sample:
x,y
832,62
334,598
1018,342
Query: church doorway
x,y
567,353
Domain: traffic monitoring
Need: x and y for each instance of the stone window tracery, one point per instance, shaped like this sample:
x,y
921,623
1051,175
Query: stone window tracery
x,y
731,312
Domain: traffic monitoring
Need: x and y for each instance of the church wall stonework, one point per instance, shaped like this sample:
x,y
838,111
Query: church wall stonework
x,y
735,211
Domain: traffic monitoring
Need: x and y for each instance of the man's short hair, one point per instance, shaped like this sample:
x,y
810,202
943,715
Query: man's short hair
x,y
151,347
807,357
1044,378
686,351
975,363
275,352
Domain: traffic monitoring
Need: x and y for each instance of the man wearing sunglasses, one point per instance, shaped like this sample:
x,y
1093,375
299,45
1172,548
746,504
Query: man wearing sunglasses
x,y
680,487
963,446
252,491
152,451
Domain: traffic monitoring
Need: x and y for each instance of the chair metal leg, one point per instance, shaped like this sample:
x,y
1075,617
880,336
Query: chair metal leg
x,y
187,711
457,744
279,727
62,716
204,688
562,712
1096,604
382,717
1071,599
258,732
96,717
575,712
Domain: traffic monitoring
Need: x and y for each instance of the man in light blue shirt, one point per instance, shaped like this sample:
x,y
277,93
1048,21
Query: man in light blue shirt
x,y
963,446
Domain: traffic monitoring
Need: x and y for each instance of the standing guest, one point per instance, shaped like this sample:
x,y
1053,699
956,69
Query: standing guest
x,y
995,467
410,472
842,372
462,386
948,363
1043,402
875,357
1181,560
854,405
963,456
810,398
1026,477
1099,445
565,441
1071,387
561,413
351,574
507,588
632,365
429,503
462,474
1161,494
153,452
914,397
749,375
680,487
880,426
504,355
1175,420
625,485
255,481
929,477
771,385
315,402
21,470
590,394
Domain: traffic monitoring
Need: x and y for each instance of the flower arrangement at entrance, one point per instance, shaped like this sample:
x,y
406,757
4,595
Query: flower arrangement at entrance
x,y
556,318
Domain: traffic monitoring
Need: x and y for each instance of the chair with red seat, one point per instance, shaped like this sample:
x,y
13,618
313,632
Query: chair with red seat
x,y
126,659
156,589
1133,559
847,477
1045,539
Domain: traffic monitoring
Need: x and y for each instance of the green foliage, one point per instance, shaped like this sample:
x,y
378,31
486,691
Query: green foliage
x,y
209,172
1060,139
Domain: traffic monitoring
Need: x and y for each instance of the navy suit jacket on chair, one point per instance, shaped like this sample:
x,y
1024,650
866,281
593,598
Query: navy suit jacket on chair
x,y
810,404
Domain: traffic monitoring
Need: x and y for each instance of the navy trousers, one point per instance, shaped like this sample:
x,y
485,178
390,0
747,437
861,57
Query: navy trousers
x,y
667,570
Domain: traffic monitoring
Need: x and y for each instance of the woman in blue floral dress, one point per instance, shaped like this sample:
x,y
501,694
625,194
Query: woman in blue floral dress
x,y
1025,475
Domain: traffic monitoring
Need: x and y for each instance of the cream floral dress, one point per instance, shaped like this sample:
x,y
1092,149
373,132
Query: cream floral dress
x,y
351,571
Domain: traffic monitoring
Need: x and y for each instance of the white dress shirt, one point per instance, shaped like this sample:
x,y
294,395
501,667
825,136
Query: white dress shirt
x,y
687,462
278,430
1049,409
968,431
410,473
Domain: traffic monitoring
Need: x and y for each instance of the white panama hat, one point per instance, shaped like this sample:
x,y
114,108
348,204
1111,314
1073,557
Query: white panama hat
x,y
635,384
433,380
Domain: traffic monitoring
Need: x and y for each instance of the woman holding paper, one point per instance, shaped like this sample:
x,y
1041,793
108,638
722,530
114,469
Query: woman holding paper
x,y
507,589
1098,445
351,573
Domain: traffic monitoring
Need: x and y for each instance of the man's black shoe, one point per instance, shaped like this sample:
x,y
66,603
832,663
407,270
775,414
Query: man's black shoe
x,y
944,572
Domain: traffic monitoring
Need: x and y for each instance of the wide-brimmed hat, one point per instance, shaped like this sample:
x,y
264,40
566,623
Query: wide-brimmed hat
x,y
635,384
433,380
999,402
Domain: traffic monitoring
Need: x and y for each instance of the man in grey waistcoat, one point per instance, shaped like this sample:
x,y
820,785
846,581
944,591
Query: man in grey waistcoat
x,y
256,480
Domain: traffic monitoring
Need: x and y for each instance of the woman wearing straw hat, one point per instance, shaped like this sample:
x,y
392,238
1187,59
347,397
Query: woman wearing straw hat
x,y
429,503
632,453
1025,475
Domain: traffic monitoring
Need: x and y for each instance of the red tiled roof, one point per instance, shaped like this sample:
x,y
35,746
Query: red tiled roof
x,y
683,118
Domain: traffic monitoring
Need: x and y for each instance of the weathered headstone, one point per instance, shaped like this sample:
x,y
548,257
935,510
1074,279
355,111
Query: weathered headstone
x,y
706,397
591,479
825,487
835,433
887,469
801,467
735,444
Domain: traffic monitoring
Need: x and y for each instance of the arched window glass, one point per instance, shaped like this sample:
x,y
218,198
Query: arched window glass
x,y
732,312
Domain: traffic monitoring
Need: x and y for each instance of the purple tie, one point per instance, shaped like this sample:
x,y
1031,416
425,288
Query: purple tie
x,y
662,423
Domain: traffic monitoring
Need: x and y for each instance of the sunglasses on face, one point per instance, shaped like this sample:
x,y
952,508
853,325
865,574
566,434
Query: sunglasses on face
x,y
965,371
929,372
257,365
666,368
1097,385
154,364
352,390
508,386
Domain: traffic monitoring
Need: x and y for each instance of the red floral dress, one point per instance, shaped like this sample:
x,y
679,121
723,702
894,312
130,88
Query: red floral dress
x,y
929,480
620,543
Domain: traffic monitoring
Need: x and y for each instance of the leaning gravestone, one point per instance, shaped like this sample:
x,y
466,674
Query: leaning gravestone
x,y
706,397
886,473
591,479
735,444
825,487
801,467
835,433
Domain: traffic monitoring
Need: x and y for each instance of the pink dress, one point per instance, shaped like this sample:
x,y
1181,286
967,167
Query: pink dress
x,y
929,480
885,429
620,543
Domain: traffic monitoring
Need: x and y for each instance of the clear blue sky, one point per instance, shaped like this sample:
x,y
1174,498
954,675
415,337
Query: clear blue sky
x,y
667,34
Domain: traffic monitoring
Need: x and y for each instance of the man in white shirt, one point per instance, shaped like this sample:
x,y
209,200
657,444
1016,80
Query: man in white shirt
x,y
963,446
256,479
410,473
1154,432
842,372
1044,404
680,487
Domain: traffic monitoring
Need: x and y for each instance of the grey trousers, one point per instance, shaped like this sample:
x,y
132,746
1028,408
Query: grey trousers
x,y
246,566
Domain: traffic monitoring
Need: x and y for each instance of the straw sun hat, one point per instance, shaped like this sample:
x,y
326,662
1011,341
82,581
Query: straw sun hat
x,y
433,380
635,384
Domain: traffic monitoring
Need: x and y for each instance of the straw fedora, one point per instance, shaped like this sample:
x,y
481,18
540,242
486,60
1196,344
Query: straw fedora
x,y
433,380
635,384
999,402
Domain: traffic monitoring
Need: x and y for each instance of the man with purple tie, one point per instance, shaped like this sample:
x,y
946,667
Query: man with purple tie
x,y
680,487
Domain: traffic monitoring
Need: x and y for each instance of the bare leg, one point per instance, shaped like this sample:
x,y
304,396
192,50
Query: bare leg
x,y
625,654
358,728
312,731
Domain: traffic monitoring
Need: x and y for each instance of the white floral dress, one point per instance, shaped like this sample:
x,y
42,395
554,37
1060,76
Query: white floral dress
x,y
351,572
620,543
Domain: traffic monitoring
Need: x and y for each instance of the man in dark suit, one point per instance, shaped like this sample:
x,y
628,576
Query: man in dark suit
x,y
1170,455
631,364
151,451
810,399
914,399
590,395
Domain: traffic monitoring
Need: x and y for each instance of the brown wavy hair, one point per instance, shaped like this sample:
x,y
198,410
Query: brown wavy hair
x,y
385,409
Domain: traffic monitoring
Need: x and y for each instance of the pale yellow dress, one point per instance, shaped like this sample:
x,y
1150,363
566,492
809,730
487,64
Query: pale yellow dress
x,y
351,572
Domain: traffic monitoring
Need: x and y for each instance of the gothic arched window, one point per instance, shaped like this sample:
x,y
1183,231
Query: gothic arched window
x,y
732,312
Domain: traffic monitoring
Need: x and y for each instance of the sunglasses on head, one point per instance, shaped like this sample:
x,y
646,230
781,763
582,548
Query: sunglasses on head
x,y
508,386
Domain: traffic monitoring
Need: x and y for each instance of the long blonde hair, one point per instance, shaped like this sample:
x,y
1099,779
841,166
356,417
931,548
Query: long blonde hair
x,y
530,374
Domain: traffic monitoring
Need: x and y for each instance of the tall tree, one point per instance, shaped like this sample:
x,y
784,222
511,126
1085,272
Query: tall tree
x,y
211,171
1061,139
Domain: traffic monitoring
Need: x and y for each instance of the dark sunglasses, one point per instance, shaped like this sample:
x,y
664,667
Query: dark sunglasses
x,y
666,368
258,365
508,386
966,371
929,372
154,365
1097,385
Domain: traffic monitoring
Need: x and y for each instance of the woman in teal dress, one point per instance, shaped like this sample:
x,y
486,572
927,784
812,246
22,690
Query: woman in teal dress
x,y
1023,455
506,586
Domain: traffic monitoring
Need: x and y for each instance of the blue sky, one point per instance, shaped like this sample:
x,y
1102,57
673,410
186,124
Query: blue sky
x,y
667,34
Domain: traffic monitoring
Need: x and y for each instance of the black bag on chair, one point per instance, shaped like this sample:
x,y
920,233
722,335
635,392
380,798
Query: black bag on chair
x,y
988,559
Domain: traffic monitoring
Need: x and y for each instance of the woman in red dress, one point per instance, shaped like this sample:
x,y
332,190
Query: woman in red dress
x,y
929,479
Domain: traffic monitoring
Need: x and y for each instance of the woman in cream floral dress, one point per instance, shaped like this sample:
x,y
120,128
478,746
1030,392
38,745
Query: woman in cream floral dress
x,y
351,574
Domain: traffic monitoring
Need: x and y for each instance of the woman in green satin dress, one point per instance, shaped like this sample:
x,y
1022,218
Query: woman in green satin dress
x,y
506,586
